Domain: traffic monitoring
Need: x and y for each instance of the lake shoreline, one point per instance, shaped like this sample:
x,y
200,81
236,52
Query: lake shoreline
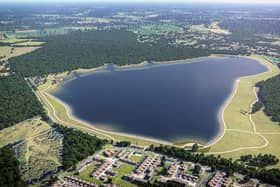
x,y
82,72
229,99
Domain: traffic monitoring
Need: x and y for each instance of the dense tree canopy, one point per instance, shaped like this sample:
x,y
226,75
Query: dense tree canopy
x,y
256,107
123,143
260,160
270,96
9,171
252,26
18,102
94,48
77,145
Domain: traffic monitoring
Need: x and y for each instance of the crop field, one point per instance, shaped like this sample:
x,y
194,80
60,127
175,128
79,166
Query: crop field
x,y
9,51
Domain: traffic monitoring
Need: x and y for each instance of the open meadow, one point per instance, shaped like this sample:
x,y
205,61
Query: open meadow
x,y
248,133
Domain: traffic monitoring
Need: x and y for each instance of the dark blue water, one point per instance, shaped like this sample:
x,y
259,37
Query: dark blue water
x,y
169,102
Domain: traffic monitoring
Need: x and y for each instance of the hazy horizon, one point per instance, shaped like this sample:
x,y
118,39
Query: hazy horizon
x,y
146,1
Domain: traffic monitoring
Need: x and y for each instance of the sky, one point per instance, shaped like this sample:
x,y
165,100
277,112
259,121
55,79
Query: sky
x,y
154,1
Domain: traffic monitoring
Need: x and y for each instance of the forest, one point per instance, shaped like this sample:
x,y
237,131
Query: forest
x,y
254,26
9,171
77,145
95,48
272,176
269,93
18,102
260,160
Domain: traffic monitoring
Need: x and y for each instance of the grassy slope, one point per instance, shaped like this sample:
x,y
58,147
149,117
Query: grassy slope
x,y
42,154
61,117
41,150
235,120
24,130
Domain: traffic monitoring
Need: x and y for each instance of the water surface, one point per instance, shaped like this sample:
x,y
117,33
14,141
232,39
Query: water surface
x,y
168,102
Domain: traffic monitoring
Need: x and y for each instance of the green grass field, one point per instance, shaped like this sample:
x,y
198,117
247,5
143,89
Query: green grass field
x,y
155,29
24,130
124,169
121,171
85,175
241,135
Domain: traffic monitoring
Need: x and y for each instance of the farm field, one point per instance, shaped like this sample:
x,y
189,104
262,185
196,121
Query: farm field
x,y
9,51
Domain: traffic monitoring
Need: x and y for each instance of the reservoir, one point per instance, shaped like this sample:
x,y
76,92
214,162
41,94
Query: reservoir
x,y
168,102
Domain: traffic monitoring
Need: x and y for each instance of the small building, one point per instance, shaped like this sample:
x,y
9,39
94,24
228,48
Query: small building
x,y
108,153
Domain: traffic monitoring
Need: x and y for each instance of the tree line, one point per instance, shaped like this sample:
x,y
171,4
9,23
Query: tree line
x,y
9,170
94,48
252,26
18,102
260,160
269,94
271,176
77,145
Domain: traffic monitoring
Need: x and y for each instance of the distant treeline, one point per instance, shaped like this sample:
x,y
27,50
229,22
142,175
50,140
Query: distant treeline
x,y
269,94
271,176
77,145
252,26
94,48
9,170
17,101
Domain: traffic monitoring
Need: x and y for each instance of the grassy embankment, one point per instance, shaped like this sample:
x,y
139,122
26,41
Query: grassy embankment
x,y
241,136
38,148
61,113
248,134
58,112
